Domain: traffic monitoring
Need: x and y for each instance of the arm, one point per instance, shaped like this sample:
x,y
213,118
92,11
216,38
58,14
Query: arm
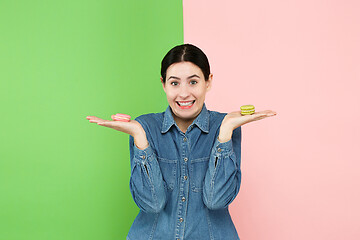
x,y
146,181
147,186
223,177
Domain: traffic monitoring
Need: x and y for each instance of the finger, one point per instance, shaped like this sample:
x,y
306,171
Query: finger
x,y
259,117
270,113
94,119
110,124
90,117
267,113
105,123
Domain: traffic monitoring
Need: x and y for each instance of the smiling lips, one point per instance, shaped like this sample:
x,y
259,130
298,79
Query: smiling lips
x,y
185,104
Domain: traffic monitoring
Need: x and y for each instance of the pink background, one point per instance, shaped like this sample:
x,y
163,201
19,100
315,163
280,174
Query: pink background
x,y
301,59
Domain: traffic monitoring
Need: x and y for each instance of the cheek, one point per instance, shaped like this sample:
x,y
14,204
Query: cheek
x,y
169,95
201,93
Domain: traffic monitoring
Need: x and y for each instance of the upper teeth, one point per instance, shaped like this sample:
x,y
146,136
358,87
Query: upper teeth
x,y
185,103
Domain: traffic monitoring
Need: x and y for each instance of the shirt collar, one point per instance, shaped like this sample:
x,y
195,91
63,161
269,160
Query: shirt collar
x,y
202,120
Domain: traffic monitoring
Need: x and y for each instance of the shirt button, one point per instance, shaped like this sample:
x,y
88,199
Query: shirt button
x,y
185,159
184,139
185,177
219,149
143,157
183,199
181,219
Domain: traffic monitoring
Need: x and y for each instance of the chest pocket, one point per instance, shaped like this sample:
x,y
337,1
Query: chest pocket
x,y
198,168
168,171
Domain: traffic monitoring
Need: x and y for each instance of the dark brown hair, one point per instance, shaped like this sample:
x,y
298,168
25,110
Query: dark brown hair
x,y
186,53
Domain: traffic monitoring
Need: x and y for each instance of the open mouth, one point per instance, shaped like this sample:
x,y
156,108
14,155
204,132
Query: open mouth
x,y
185,104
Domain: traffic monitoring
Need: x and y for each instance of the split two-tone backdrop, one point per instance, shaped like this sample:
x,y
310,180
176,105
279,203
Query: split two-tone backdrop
x,y
62,177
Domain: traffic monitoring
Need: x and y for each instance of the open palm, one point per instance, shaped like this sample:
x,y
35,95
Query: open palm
x,y
236,119
132,127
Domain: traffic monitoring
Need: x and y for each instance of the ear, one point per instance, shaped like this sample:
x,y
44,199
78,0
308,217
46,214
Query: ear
x,y
209,82
163,83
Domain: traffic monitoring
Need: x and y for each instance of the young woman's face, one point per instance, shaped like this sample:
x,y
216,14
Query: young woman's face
x,y
185,89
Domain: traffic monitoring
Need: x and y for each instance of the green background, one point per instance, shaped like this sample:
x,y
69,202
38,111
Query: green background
x,y
62,177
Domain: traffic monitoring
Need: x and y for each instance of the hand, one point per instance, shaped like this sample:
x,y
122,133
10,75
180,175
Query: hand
x,y
234,120
132,128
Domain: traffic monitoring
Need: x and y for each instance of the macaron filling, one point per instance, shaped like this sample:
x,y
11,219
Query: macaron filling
x,y
247,112
121,117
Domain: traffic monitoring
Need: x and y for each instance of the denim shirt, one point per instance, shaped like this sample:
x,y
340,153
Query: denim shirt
x,y
183,183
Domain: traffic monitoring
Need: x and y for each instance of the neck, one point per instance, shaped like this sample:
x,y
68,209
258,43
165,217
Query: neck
x,y
183,124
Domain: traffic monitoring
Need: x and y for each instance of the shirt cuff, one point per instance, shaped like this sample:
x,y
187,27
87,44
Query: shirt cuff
x,y
143,156
224,148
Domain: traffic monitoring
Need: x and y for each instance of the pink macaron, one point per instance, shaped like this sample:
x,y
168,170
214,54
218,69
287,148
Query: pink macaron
x,y
121,117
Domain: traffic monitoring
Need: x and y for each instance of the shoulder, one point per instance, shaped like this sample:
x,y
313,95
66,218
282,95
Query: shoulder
x,y
151,120
215,118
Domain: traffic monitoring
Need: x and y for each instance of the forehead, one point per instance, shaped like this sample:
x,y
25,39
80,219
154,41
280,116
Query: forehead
x,y
183,69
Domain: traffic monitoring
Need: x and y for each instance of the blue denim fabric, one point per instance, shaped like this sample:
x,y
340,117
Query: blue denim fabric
x,y
184,182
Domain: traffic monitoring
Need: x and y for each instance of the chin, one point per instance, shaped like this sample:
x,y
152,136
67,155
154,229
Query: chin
x,y
187,115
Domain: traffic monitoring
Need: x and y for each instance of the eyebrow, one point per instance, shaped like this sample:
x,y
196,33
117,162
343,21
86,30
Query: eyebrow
x,y
187,78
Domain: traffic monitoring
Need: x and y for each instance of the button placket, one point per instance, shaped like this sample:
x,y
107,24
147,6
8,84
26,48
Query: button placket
x,y
184,186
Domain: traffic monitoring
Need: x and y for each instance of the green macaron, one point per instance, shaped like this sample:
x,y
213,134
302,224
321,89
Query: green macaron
x,y
247,109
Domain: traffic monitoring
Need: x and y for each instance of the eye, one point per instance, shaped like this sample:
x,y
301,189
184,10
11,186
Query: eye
x,y
174,83
193,82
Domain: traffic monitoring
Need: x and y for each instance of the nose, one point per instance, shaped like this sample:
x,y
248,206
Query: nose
x,y
184,92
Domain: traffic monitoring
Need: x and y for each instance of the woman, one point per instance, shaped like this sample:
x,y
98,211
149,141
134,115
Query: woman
x,y
185,162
